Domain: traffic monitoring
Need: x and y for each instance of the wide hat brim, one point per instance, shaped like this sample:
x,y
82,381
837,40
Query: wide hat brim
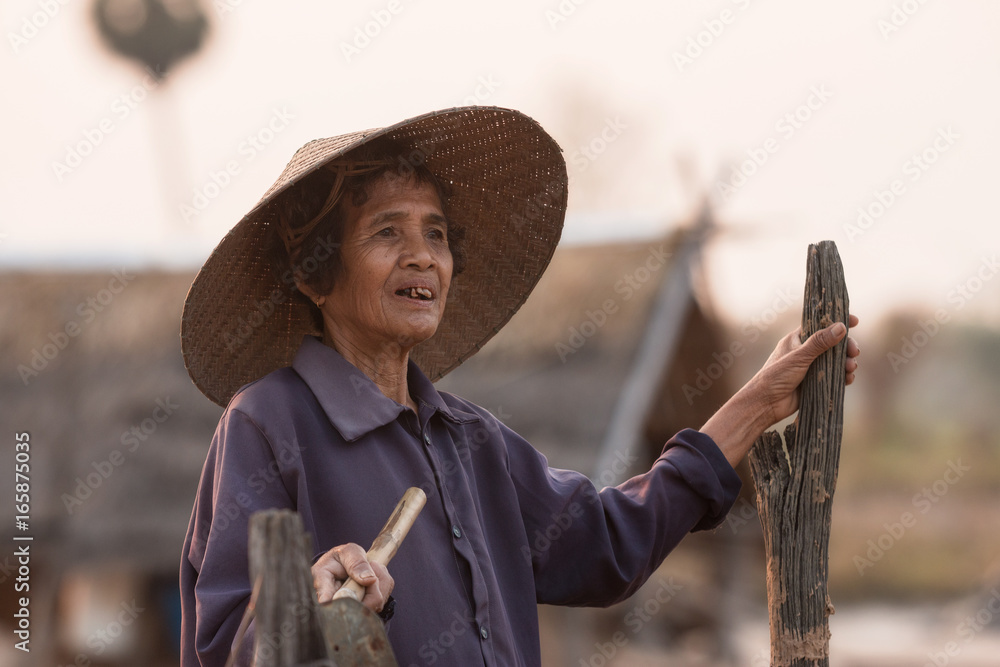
x,y
508,186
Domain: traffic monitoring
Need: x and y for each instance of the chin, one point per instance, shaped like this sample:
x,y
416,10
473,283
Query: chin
x,y
415,332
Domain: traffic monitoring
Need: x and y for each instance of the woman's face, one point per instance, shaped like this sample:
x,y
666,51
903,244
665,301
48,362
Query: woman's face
x,y
396,268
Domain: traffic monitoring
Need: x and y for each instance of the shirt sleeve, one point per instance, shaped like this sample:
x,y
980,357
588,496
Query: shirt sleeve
x,y
596,548
241,476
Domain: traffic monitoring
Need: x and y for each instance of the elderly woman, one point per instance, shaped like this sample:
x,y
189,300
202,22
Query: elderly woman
x,y
320,322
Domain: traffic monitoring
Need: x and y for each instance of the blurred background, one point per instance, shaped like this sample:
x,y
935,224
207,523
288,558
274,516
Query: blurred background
x,y
707,144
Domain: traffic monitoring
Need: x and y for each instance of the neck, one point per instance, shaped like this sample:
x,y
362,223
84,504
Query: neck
x,y
386,365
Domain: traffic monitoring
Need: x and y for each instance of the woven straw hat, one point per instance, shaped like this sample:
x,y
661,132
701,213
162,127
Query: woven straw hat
x,y
508,185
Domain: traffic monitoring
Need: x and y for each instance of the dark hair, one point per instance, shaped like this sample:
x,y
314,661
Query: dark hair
x,y
309,231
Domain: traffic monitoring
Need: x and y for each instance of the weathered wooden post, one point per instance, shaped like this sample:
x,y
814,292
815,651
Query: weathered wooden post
x,y
287,625
796,479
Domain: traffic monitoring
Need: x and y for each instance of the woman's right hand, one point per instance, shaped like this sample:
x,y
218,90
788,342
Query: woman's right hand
x,y
333,568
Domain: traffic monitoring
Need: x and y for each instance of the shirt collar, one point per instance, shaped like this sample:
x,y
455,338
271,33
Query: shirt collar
x,y
352,401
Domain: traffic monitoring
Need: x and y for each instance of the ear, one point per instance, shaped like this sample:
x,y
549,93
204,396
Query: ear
x,y
310,293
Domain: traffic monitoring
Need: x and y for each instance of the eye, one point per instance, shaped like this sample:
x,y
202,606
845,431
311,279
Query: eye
x,y
385,231
438,234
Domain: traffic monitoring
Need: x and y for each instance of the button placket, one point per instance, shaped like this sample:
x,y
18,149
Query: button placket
x,y
463,547
455,530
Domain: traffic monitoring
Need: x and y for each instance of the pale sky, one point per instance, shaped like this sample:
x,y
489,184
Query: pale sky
x,y
838,104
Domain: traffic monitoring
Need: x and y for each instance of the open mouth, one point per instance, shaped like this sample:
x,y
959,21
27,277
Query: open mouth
x,y
418,293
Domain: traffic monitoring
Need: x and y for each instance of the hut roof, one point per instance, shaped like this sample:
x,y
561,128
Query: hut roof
x,y
86,358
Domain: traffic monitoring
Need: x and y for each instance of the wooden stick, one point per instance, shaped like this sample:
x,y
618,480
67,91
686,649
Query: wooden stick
x,y
387,543
795,481
287,631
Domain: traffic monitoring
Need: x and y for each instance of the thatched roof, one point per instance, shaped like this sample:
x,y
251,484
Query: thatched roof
x,y
122,357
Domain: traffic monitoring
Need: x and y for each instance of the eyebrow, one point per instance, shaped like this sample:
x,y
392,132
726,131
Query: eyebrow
x,y
392,216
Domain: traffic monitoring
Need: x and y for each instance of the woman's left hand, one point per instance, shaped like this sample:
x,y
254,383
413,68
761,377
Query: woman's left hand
x,y
778,380
773,393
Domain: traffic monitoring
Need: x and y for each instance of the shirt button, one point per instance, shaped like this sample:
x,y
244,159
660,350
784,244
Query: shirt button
x,y
427,438
456,531
483,633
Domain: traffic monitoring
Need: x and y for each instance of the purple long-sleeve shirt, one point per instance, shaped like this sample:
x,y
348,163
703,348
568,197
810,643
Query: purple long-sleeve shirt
x,y
501,530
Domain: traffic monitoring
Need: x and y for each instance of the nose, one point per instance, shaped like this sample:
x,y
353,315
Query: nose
x,y
416,252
